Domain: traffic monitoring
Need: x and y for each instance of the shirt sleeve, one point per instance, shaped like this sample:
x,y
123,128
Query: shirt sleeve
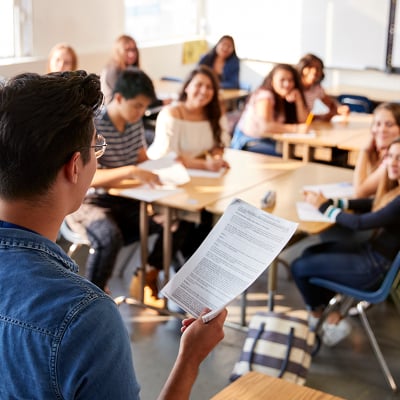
x,y
95,357
166,136
230,79
386,216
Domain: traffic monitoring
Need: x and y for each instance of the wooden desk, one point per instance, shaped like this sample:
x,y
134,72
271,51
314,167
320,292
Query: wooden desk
x,y
327,134
288,187
376,95
171,89
246,170
257,386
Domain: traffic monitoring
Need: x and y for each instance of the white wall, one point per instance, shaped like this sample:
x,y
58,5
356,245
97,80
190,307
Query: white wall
x,y
91,26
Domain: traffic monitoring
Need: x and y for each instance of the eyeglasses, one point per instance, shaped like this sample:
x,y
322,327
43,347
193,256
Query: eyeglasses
x,y
100,146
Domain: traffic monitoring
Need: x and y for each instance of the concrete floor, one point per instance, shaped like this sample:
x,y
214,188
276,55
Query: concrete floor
x,y
349,370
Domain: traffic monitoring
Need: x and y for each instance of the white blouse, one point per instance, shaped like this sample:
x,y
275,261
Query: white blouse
x,y
185,138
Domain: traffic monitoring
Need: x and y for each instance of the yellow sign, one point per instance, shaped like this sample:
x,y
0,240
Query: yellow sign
x,y
192,51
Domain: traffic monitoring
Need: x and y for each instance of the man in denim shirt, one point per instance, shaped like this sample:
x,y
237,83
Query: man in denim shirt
x,y
61,337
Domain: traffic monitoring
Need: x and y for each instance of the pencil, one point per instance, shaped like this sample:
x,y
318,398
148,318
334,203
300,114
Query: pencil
x,y
309,118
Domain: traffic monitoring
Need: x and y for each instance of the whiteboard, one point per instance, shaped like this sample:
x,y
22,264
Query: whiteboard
x,y
344,33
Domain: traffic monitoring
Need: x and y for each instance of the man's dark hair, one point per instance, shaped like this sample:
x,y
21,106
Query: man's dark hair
x,y
133,82
44,119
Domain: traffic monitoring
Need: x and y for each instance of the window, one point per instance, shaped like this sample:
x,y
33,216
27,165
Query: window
x,y
15,28
161,20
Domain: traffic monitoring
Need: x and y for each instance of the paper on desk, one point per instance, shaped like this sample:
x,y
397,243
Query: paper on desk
x,y
307,212
311,134
170,171
240,247
333,190
149,194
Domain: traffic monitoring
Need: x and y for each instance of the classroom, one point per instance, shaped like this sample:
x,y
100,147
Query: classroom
x,y
359,43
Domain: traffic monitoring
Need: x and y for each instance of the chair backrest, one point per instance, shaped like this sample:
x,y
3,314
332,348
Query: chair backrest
x,y
72,236
356,103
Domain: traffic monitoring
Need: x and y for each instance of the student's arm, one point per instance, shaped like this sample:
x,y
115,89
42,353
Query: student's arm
x,y
366,182
198,340
301,108
112,177
231,74
264,109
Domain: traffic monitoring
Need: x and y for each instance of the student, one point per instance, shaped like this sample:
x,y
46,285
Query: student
x,y
370,167
125,54
195,125
62,57
111,221
195,129
277,106
311,70
61,336
360,265
223,60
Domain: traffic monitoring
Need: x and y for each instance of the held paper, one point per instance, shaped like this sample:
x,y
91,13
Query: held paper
x,y
239,248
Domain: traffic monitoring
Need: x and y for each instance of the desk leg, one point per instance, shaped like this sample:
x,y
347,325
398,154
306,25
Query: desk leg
x,y
144,238
272,278
167,246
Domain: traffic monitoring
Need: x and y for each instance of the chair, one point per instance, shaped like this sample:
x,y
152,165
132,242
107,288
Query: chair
x,y
356,103
76,241
347,295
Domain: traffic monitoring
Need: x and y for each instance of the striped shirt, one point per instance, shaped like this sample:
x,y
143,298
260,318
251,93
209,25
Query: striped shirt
x,y
122,148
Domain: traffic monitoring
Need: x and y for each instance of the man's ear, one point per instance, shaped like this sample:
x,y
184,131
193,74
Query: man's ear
x,y
118,97
72,167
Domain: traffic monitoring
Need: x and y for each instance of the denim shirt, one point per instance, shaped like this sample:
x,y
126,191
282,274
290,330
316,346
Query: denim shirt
x,y
60,336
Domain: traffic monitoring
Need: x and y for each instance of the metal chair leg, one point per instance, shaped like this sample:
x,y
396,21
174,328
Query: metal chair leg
x,y
376,348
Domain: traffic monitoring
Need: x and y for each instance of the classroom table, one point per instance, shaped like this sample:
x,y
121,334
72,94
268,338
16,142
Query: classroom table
x,y
246,170
255,386
288,188
326,135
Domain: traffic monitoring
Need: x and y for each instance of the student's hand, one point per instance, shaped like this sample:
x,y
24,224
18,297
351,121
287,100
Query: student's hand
x,y
314,198
302,128
293,95
215,164
199,338
343,110
217,151
146,177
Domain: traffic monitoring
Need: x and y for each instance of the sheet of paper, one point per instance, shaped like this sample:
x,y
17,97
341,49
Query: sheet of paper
x,y
202,173
307,212
149,194
169,171
333,190
240,247
308,135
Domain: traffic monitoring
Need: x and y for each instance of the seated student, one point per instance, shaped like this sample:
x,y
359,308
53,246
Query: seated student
x,y
125,54
311,70
195,125
195,129
360,265
61,337
370,167
112,221
62,57
277,106
223,60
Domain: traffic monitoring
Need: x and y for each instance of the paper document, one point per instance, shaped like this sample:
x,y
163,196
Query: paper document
x,y
170,171
333,190
307,212
240,247
150,194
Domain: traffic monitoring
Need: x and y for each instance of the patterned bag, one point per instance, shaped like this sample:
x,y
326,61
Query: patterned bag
x,y
278,345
